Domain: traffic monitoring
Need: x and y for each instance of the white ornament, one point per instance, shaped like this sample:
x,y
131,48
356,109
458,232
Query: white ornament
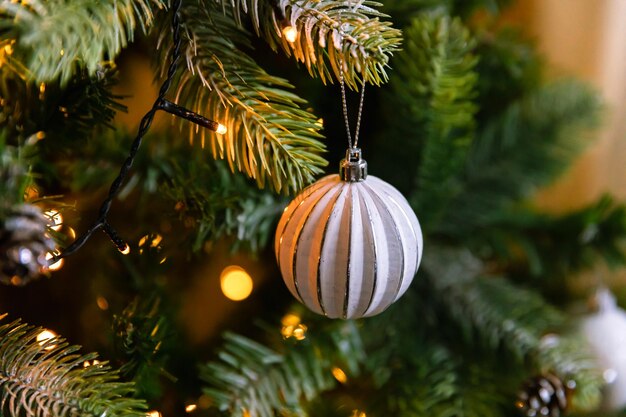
x,y
605,331
349,245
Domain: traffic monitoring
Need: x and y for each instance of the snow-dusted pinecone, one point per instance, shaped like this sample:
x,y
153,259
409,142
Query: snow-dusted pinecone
x,y
24,243
543,395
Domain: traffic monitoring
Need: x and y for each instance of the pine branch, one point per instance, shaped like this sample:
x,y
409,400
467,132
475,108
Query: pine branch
x,y
416,373
546,250
140,332
53,39
494,314
436,83
50,378
509,69
569,357
525,147
250,379
329,31
481,306
15,176
227,205
64,115
270,138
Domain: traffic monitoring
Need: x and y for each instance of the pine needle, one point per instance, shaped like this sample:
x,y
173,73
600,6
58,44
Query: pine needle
x,y
329,32
52,379
53,38
270,137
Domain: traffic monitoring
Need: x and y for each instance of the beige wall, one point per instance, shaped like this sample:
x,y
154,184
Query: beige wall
x,y
586,38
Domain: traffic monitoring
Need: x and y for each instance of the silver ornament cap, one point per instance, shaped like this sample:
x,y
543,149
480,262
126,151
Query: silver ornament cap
x,y
353,168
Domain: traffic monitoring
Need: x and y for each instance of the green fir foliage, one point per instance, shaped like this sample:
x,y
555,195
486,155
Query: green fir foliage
x,y
140,332
62,114
435,84
509,68
51,378
15,176
270,137
569,356
331,33
249,378
419,365
526,146
227,205
481,306
475,131
545,250
208,200
51,40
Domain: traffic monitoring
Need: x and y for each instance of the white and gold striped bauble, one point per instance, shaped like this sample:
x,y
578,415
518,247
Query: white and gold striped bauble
x,y
349,245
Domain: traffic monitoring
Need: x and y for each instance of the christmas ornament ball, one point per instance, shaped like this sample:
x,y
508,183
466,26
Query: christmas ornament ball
x,y
605,333
349,245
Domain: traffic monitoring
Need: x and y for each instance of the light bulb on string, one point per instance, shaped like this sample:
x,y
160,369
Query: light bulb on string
x,y
56,218
55,266
290,32
44,337
161,103
124,250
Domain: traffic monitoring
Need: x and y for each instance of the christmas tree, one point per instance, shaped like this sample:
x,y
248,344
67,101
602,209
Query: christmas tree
x,y
242,103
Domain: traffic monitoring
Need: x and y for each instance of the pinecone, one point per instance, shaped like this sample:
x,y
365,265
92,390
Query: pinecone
x,y
24,243
543,395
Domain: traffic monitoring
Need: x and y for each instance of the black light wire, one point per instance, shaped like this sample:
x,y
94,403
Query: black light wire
x,y
159,104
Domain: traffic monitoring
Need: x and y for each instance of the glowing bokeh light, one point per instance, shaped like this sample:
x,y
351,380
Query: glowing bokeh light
x,y
103,303
292,327
290,320
236,283
339,375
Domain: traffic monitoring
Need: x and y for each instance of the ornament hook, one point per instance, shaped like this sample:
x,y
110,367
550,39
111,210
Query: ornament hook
x,y
353,168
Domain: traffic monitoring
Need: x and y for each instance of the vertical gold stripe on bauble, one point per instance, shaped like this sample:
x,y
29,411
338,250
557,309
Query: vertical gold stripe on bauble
x,y
313,187
398,236
298,235
351,218
413,231
390,191
319,260
372,231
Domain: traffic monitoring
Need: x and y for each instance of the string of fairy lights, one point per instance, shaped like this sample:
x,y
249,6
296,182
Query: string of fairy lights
x,y
288,30
160,103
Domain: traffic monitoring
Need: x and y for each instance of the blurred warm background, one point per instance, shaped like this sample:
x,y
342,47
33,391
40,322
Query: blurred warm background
x,y
586,39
